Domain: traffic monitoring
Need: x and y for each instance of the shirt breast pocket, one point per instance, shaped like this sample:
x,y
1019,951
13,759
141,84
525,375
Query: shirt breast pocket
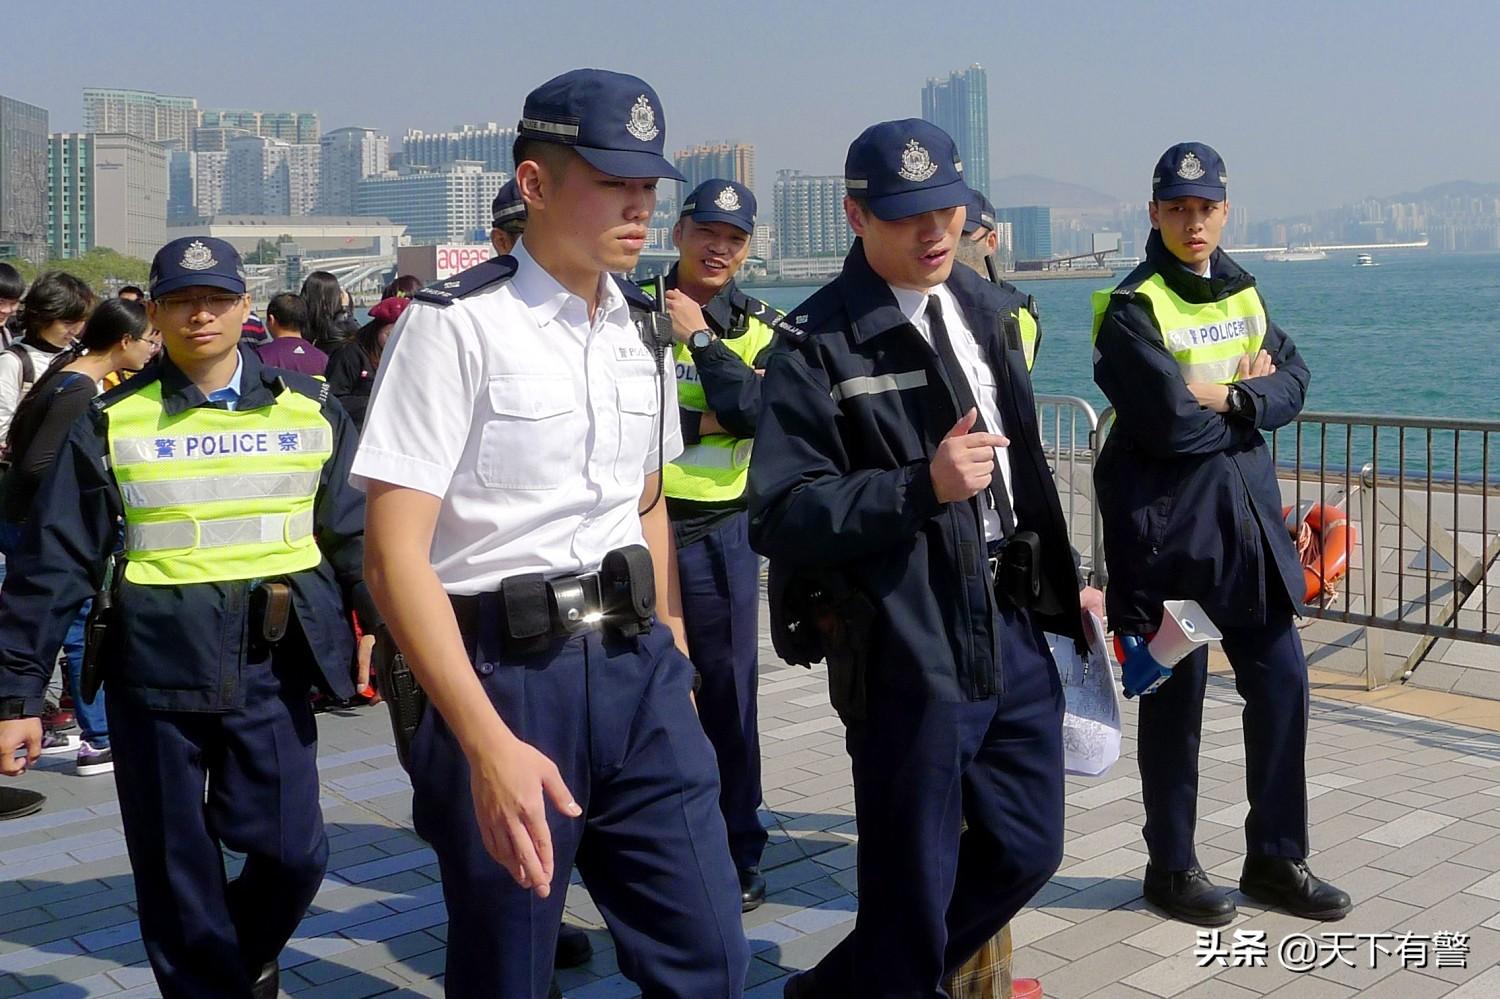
x,y
639,399
525,442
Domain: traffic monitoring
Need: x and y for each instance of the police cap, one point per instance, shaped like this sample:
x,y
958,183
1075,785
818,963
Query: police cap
x,y
613,120
721,201
904,168
1189,169
981,214
507,206
196,261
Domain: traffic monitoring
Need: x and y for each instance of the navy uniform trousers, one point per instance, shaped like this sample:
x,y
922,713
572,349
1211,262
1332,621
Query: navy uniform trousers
x,y
203,935
616,717
928,896
1270,673
720,579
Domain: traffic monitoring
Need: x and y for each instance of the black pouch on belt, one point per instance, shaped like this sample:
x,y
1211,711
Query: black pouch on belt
x,y
628,586
528,616
1019,574
272,603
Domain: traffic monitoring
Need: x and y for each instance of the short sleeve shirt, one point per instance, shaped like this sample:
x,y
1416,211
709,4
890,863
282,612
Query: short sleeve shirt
x,y
536,425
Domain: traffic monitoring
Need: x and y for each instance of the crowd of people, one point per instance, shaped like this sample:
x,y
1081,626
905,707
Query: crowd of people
x,y
547,492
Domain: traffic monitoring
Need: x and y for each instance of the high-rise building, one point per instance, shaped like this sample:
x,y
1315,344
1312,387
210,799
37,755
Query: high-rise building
x,y
489,144
960,106
718,160
196,184
70,192
349,156
270,177
23,180
809,213
153,117
444,205
108,191
216,138
295,127
1031,231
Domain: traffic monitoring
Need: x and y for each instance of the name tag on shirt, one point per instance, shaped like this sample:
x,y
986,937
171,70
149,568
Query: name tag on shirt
x,y
632,352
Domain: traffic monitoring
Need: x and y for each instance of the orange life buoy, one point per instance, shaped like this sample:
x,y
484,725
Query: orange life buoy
x,y
1324,539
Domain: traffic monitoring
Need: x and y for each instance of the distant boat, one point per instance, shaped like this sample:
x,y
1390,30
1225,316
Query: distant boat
x,y
1365,260
1296,255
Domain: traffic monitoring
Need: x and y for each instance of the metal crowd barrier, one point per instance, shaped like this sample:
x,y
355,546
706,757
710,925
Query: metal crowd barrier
x,y
1423,495
1068,425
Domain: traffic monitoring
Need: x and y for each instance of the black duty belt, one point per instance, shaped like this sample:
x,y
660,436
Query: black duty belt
x,y
532,612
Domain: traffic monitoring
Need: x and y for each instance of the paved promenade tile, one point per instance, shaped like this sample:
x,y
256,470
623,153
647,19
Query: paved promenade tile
x,y
1405,809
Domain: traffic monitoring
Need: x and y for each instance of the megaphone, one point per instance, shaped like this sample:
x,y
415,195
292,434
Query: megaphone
x,y
1146,663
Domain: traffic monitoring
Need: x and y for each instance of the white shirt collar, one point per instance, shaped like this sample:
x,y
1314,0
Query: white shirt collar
x,y
913,303
545,296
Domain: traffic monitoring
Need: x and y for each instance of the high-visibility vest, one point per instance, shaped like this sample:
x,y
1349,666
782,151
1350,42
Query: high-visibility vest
x,y
1029,336
1206,339
715,469
214,495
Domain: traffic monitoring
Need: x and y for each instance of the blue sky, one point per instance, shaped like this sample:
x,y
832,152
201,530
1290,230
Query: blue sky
x,y
1311,103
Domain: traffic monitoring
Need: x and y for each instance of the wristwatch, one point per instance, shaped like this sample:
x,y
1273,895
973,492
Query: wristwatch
x,y
700,339
1240,406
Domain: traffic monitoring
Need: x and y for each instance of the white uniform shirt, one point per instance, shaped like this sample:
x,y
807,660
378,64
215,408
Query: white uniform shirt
x,y
536,426
982,382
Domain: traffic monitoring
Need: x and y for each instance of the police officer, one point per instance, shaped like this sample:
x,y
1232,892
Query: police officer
x,y
512,456
1188,493
987,972
507,218
508,214
898,444
242,548
979,249
722,337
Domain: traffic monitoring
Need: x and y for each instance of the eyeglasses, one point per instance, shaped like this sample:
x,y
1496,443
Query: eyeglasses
x,y
191,305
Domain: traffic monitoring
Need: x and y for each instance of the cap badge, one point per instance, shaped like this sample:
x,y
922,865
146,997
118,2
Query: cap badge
x,y
1190,168
197,257
916,164
728,200
642,123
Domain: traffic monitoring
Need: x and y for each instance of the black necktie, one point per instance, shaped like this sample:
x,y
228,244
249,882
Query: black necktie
x,y
964,393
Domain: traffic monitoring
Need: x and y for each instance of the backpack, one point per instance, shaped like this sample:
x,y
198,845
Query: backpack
x,y
28,369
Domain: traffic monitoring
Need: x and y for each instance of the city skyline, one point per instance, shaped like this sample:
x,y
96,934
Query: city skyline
x,y
1343,101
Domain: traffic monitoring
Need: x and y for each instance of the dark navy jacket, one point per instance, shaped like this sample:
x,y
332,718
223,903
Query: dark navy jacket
x,y
179,648
842,480
1189,497
731,386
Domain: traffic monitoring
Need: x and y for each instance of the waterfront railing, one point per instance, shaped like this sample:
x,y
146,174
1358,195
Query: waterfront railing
x,y
1423,496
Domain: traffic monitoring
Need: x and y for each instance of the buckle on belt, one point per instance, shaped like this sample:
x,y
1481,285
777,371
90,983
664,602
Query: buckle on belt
x,y
577,602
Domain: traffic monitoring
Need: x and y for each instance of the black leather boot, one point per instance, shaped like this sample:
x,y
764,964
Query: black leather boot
x,y
1286,883
752,889
267,983
1189,896
573,947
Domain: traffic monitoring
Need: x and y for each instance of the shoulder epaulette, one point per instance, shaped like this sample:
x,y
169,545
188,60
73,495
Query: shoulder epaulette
x,y
306,385
1137,277
127,388
757,309
636,297
789,329
464,283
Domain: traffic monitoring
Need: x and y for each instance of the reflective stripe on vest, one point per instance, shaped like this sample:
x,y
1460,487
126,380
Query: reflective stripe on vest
x,y
212,495
715,469
186,535
1206,339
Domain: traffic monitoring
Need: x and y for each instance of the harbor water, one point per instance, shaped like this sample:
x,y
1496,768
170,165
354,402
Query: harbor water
x,y
1416,335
